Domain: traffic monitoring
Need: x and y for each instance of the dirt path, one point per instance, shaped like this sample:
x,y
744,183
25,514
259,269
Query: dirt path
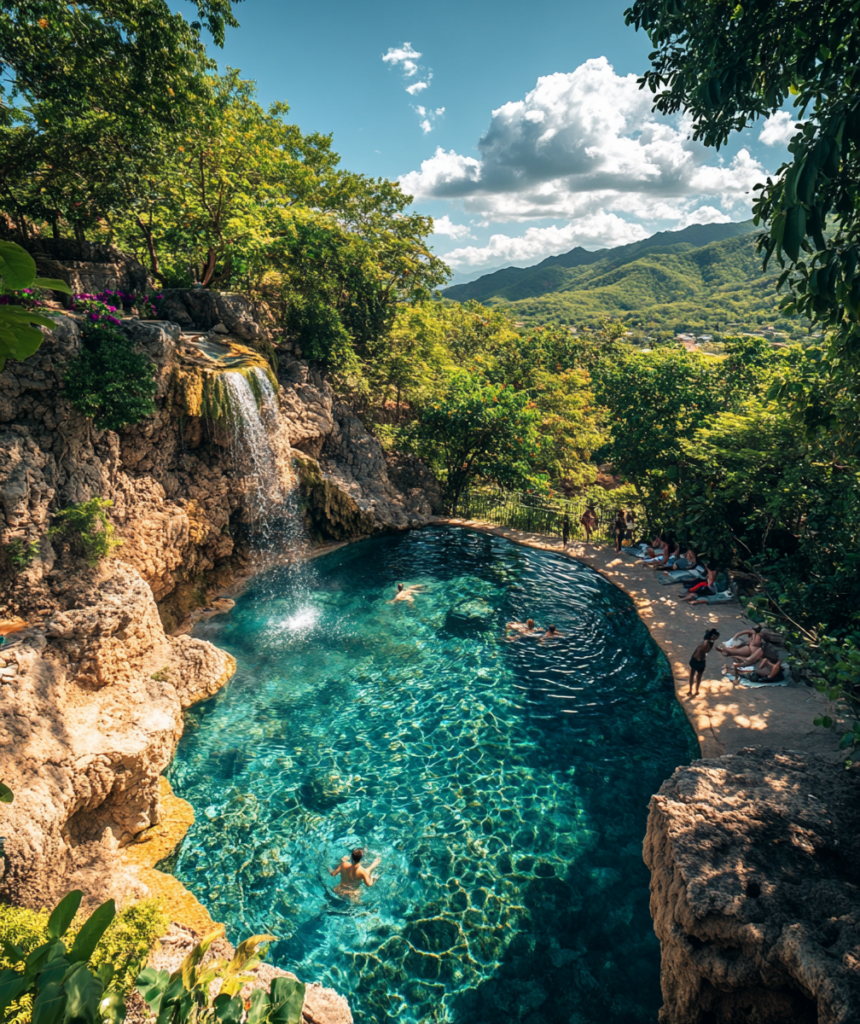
x,y
725,717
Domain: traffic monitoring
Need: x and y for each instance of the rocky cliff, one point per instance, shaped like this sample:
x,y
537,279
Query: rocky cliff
x,y
92,692
755,890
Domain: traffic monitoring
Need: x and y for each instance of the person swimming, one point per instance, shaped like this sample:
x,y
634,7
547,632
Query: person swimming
x,y
551,633
523,628
353,875
407,593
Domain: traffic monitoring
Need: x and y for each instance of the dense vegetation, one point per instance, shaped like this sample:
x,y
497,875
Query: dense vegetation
x,y
706,279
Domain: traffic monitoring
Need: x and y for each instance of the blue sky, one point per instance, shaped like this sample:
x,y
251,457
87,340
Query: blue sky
x,y
517,126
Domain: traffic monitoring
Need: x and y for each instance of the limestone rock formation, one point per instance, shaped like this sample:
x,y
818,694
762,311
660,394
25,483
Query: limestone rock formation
x,y
90,713
755,890
89,268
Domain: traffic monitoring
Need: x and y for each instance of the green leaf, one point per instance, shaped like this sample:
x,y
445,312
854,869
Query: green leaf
x,y
260,1006
17,266
49,1005
84,991
6,794
18,337
112,1008
88,937
63,914
12,952
228,1009
152,985
12,987
288,998
53,284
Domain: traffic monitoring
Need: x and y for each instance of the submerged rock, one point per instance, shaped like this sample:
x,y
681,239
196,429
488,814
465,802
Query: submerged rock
x,y
473,613
755,890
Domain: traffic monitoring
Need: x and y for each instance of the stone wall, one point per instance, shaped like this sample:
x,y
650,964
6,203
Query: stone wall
x,y
755,890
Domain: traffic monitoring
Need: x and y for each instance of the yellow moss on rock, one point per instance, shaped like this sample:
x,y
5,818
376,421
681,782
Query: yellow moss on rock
x,y
156,843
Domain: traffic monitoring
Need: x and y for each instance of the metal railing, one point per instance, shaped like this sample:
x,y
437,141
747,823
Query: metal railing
x,y
536,513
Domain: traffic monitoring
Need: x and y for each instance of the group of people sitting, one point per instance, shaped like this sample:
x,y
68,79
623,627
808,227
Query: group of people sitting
x,y
679,564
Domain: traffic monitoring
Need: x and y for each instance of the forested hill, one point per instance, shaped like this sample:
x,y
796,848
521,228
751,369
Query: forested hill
x,y
513,283
706,276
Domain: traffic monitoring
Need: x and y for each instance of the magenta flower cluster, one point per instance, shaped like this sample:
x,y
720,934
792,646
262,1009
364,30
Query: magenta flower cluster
x,y
22,297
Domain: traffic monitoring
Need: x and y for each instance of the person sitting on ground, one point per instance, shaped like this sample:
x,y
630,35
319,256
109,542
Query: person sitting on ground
x,y
588,519
653,551
745,661
697,662
619,528
745,650
764,671
407,593
698,591
523,628
671,553
352,874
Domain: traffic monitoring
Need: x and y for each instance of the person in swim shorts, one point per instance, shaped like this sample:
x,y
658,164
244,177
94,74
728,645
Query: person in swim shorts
x,y
697,661
353,874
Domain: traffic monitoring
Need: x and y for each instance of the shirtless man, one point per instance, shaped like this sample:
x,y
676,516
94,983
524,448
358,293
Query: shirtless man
x,y
352,874
551,634
523,628
407,593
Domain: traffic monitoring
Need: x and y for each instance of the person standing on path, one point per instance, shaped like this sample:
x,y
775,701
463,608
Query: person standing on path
x,y
565,531
697,662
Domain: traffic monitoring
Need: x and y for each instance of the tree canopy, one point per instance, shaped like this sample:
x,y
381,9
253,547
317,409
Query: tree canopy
x,y
728,63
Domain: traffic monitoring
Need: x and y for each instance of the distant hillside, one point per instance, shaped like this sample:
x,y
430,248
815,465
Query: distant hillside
x,y
707,277
515,283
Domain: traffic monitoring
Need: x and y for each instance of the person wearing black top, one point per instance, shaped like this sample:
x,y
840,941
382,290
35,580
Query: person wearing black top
x,y
620,528
565,531
697,662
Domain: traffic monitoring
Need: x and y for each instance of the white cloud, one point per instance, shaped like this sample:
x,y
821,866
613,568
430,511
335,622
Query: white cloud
x,y
595,230
419,86
405,56
778,130
703,215
445,226
582,144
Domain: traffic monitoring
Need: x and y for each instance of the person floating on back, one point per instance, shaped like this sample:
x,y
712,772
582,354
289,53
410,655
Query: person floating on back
x,y
407,593
523,628
697,662
352,874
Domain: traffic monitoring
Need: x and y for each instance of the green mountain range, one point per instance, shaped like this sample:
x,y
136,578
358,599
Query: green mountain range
x,y
705,277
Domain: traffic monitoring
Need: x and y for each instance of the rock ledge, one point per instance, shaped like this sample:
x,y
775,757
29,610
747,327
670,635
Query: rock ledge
x,y
755,890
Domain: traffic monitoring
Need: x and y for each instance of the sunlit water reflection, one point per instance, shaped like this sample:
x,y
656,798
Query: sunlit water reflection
x,y
504,784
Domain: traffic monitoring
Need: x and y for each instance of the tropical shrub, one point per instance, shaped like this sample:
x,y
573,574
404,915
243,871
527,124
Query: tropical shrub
x,y
87,526
186,996
108,381
55,979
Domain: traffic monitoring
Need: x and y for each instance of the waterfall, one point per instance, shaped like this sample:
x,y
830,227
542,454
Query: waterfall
x,y
262,455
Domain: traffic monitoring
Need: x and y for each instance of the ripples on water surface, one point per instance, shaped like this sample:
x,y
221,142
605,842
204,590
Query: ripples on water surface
x,y
505,785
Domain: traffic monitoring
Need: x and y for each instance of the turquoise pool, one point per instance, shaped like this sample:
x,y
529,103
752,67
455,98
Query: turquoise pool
x,y
504,784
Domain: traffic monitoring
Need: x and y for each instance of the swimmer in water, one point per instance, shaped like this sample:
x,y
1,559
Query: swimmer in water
x,y
352,874
551,634
523,628
407,593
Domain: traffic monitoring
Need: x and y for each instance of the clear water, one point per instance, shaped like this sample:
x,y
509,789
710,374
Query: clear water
x,y
504,784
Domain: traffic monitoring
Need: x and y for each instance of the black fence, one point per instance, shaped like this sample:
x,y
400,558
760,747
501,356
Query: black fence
x,y
535,513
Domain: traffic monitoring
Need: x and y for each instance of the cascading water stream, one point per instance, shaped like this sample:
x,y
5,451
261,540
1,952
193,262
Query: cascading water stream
x,y
262,454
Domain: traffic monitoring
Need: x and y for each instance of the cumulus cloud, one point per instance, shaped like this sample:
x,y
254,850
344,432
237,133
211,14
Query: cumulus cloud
x,y
445,226
778,129
580,144
703,215
600,229
406,58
